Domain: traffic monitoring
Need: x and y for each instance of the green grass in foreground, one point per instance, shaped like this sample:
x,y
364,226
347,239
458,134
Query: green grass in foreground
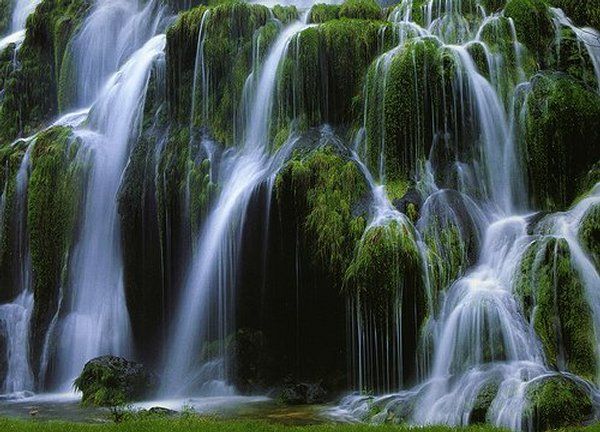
x,y
187,424
205,425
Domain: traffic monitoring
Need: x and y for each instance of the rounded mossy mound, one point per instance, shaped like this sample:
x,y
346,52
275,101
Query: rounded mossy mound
x,y
322,78
386,271
323,190
562,118
113,381
406,127
556,402
533,24
554,300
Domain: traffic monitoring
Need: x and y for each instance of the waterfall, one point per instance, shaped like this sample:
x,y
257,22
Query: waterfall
x,y
15,316
210,285
93,316
479,333
21,10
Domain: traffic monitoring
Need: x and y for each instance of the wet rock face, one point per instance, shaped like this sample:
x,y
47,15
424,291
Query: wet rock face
x,y
112,381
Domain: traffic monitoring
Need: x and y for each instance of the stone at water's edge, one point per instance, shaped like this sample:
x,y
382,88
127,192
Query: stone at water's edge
x,y
303,394
113,381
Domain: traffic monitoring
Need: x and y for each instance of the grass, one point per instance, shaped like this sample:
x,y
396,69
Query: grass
x,y
191,423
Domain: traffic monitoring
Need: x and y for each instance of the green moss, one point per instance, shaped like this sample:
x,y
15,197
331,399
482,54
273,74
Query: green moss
x,y
10,160
54,196
285,14
562,118
557,402
385,268
569,55
5,15
231,32
31,91
323,76
533,24
483,402
405,106
583,12
322,12
589,234
361,9
553,297
324,188
112,381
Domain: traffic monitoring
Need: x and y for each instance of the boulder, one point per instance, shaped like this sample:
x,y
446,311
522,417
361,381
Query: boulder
x,y
113,381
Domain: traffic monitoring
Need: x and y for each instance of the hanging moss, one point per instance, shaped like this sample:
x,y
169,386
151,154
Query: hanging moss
x,y
55,189
325,189
361,9
563,117
533,24
589,234
557,402
231,31
322,78
31,91
569,55
10,161
554,299
406,107
386,263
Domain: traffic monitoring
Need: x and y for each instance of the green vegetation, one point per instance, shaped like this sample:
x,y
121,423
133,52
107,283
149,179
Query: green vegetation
x,y
386,273
557,402
192,423
54,196
554,299
562,118
533,24
323,189
589,234
32,91
323,76
582,12
231,32
113,381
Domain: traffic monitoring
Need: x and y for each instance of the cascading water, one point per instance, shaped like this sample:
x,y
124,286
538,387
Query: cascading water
x,y
21,10
480,337
212,278
93,316
15,316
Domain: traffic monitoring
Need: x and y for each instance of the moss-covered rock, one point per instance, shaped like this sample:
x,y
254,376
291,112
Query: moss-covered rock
x,y
554,299
323,76
533,24
324,189
556,402
402,127
361,9
5,15
483,402
54,198
585,13
323,12
562,119
231,31
31,91
11,158
589,234
113,381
